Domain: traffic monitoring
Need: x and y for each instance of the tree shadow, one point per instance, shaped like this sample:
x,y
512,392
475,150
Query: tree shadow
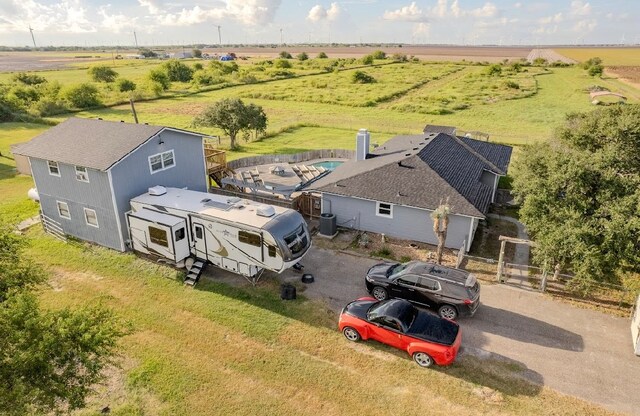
x,y
522,328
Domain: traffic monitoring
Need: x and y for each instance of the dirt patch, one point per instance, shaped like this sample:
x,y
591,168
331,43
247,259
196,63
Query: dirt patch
x,y
627,74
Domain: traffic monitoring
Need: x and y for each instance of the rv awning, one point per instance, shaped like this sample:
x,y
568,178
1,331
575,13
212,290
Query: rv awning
x,y
157,217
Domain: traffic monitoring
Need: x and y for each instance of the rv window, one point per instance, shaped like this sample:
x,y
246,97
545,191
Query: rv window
x,y
198,232
272,251
249,238
158,236
179,234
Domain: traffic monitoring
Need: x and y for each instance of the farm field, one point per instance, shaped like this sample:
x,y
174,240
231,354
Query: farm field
x,y
609,56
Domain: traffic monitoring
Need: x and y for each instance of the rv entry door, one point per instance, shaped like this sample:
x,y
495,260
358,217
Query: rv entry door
x,y
200,241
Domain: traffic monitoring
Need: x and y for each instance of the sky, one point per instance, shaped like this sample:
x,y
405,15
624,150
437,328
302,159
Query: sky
x,y
186,22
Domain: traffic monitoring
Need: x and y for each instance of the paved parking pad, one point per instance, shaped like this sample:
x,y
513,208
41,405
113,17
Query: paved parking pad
x,y
576,351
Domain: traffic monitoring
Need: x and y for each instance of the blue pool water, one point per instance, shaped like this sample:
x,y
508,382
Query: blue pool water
x,y
328,164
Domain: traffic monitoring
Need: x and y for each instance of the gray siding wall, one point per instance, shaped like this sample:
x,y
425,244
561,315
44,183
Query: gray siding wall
x,y
95,195
489,179
407,223
132,176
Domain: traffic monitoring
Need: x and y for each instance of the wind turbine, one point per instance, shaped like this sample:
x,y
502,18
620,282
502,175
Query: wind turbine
x,y
32,38
281,42
219,35
135,37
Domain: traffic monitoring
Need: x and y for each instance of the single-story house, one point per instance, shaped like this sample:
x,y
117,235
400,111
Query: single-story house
x,y
394,189
86,171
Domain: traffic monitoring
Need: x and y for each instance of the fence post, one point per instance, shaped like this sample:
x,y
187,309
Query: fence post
x,y
543,284
501,261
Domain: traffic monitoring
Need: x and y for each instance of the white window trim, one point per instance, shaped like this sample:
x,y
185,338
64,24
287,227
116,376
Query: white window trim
x,y
85,173
49,168
86,220
162,161
384,215
60,213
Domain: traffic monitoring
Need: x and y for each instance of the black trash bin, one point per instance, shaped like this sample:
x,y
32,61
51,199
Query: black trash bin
x,y
287,291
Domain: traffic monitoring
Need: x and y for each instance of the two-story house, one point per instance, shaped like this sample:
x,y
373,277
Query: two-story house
x,y
86,171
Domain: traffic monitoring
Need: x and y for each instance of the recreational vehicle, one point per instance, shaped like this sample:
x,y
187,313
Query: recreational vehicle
x,y
235,234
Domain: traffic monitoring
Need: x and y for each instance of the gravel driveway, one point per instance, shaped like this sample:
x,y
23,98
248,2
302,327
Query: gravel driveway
x,y
579,352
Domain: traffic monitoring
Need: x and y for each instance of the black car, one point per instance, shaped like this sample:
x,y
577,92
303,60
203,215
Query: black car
x,y
449,291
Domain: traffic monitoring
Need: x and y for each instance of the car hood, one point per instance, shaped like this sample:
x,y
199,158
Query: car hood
x,y
379,271
359,308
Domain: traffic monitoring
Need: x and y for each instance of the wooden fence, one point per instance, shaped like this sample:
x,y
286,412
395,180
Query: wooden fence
x,y
291,158
263,199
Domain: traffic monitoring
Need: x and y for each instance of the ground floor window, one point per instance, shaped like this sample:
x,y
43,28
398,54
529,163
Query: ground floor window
x,y
384,210
63,209
90,217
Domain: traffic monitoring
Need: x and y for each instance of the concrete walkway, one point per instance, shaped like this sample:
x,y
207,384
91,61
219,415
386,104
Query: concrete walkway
x,y
517,276
579,352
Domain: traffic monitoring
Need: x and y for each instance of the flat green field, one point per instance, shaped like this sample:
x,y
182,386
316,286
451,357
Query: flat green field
x,y
609,56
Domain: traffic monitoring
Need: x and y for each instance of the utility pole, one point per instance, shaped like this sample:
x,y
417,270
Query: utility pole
x,y
281,38
32,37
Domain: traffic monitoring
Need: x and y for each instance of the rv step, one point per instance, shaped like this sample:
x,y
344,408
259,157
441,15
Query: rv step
x,y
193,275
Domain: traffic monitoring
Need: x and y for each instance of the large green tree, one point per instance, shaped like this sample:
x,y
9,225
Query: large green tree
x,y
49,359
580,194
102,73
232,116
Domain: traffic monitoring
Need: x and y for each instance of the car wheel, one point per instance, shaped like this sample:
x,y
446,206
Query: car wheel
x,y
351,334
423,359
448,312
380,293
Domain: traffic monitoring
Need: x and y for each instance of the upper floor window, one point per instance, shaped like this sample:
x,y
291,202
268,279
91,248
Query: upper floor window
x,y
53,168
384,210
81,174
161,161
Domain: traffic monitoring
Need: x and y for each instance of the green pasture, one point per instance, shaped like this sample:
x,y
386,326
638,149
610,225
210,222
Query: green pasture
x,y
609,56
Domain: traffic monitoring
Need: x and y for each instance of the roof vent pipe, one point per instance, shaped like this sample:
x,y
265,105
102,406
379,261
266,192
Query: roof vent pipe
x,y
362,144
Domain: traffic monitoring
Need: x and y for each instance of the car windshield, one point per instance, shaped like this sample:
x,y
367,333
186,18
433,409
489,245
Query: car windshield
x,y
401,310
395,270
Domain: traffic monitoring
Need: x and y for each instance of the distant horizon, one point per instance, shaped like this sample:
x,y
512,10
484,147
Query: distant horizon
x,y
254,22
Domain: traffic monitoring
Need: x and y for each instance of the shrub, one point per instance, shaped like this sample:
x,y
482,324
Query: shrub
x,y
360,77
147,53
28,79
49,107
282,63
197,66
82,95
540,62
177,71
124,85
494,69
596,70
516,67
322,55
223,68
160,78
379,55
102,73
398,57
204,78
282,74
285,55
513,85
197,53
367,60
25,94
302,56
591,62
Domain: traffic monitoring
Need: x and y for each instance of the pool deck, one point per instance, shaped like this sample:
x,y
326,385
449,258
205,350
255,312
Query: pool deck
x,y
288,177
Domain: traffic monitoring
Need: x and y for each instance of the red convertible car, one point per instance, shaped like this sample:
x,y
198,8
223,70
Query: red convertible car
x,y
396,322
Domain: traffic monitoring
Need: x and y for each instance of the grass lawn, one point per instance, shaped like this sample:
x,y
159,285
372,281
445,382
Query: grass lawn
x,y
609,56
220,349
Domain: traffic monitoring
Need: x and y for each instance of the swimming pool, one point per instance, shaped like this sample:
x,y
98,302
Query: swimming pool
x,y
328,164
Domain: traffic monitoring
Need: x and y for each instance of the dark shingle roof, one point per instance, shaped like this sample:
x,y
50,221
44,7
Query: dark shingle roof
x,y
498,154
91,143
420,171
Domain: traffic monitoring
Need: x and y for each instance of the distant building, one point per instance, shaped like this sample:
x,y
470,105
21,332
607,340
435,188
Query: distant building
x,y
182,55
86,171
394,188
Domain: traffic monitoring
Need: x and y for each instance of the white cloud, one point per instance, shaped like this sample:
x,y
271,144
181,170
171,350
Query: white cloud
x,y
247,12
421,29
442,10
580,8
152,5
410,13
64,17
115,23
488,10
556,18
586,25
319,12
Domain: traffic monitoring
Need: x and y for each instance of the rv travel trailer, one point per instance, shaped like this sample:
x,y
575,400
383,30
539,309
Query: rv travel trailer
x,y
235,234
